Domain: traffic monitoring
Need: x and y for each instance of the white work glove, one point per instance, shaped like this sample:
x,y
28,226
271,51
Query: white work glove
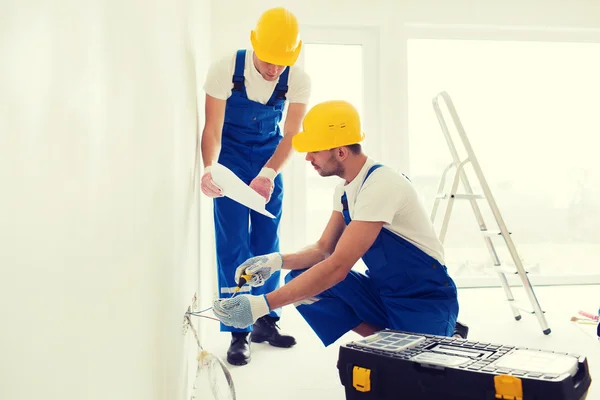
x,y
263,183
207,185
241,311
260,267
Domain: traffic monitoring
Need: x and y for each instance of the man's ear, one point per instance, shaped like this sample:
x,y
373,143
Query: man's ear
x,y
342,153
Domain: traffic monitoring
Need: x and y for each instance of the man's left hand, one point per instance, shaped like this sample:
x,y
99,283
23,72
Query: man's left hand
x,y
241,311
263,183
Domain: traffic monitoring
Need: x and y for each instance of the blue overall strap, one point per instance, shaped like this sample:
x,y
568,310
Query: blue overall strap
x,y
369,172
238,74
281,88
345,210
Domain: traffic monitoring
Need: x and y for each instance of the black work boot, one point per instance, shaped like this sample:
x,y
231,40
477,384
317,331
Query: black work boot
x,y
265,329
461,330
239,349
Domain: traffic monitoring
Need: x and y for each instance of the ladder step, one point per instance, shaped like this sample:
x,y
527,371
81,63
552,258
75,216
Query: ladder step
x,y
507,270
492,233
518,305
460,196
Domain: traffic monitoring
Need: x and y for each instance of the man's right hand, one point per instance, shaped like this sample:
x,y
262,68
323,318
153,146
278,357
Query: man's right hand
x,y
260,268
208,186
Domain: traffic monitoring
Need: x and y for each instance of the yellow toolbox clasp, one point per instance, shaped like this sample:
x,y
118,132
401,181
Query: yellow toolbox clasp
x,y
508,387
361,379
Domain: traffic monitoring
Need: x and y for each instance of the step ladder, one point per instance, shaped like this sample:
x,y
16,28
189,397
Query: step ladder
x,y
452,195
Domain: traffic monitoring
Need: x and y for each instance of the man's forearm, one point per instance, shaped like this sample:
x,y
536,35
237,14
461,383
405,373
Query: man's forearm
x,y
308,284
305,258
210,146
281,155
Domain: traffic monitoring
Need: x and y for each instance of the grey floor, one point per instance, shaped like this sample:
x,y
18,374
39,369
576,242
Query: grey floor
x,y
308,370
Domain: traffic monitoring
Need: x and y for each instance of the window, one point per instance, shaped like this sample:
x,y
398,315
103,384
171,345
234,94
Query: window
x,y
338,62
529,110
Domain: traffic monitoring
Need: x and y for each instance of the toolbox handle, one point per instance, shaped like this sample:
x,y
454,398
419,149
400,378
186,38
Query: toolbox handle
x,y
430,369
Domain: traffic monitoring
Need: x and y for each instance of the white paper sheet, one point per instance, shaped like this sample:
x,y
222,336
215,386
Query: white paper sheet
x,y
234,188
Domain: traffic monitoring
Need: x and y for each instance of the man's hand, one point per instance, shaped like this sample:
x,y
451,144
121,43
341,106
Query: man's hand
x,y
261,268
241,311
263,183
207,185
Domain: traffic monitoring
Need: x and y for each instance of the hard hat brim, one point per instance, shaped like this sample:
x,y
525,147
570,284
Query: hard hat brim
x,y
308,142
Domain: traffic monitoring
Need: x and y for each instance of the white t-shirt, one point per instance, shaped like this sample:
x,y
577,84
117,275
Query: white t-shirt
x,y
389,197
219,83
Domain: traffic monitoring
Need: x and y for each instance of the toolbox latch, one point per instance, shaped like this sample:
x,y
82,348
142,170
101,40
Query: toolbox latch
x,y
361,379
508,387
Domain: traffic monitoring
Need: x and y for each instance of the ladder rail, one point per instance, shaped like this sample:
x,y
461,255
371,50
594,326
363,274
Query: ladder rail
x,y
441,185
493,207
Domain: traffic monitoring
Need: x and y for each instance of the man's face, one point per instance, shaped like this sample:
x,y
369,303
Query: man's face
x,y
325,162
269,72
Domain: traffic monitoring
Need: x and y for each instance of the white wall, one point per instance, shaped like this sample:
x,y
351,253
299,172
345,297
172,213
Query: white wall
x,y
232,24
98,222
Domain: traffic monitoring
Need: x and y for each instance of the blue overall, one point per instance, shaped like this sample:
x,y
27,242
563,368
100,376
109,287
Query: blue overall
x,y
403,288
250,135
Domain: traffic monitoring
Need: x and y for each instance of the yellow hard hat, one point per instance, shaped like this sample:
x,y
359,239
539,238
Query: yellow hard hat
x,y
275,39
328,125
